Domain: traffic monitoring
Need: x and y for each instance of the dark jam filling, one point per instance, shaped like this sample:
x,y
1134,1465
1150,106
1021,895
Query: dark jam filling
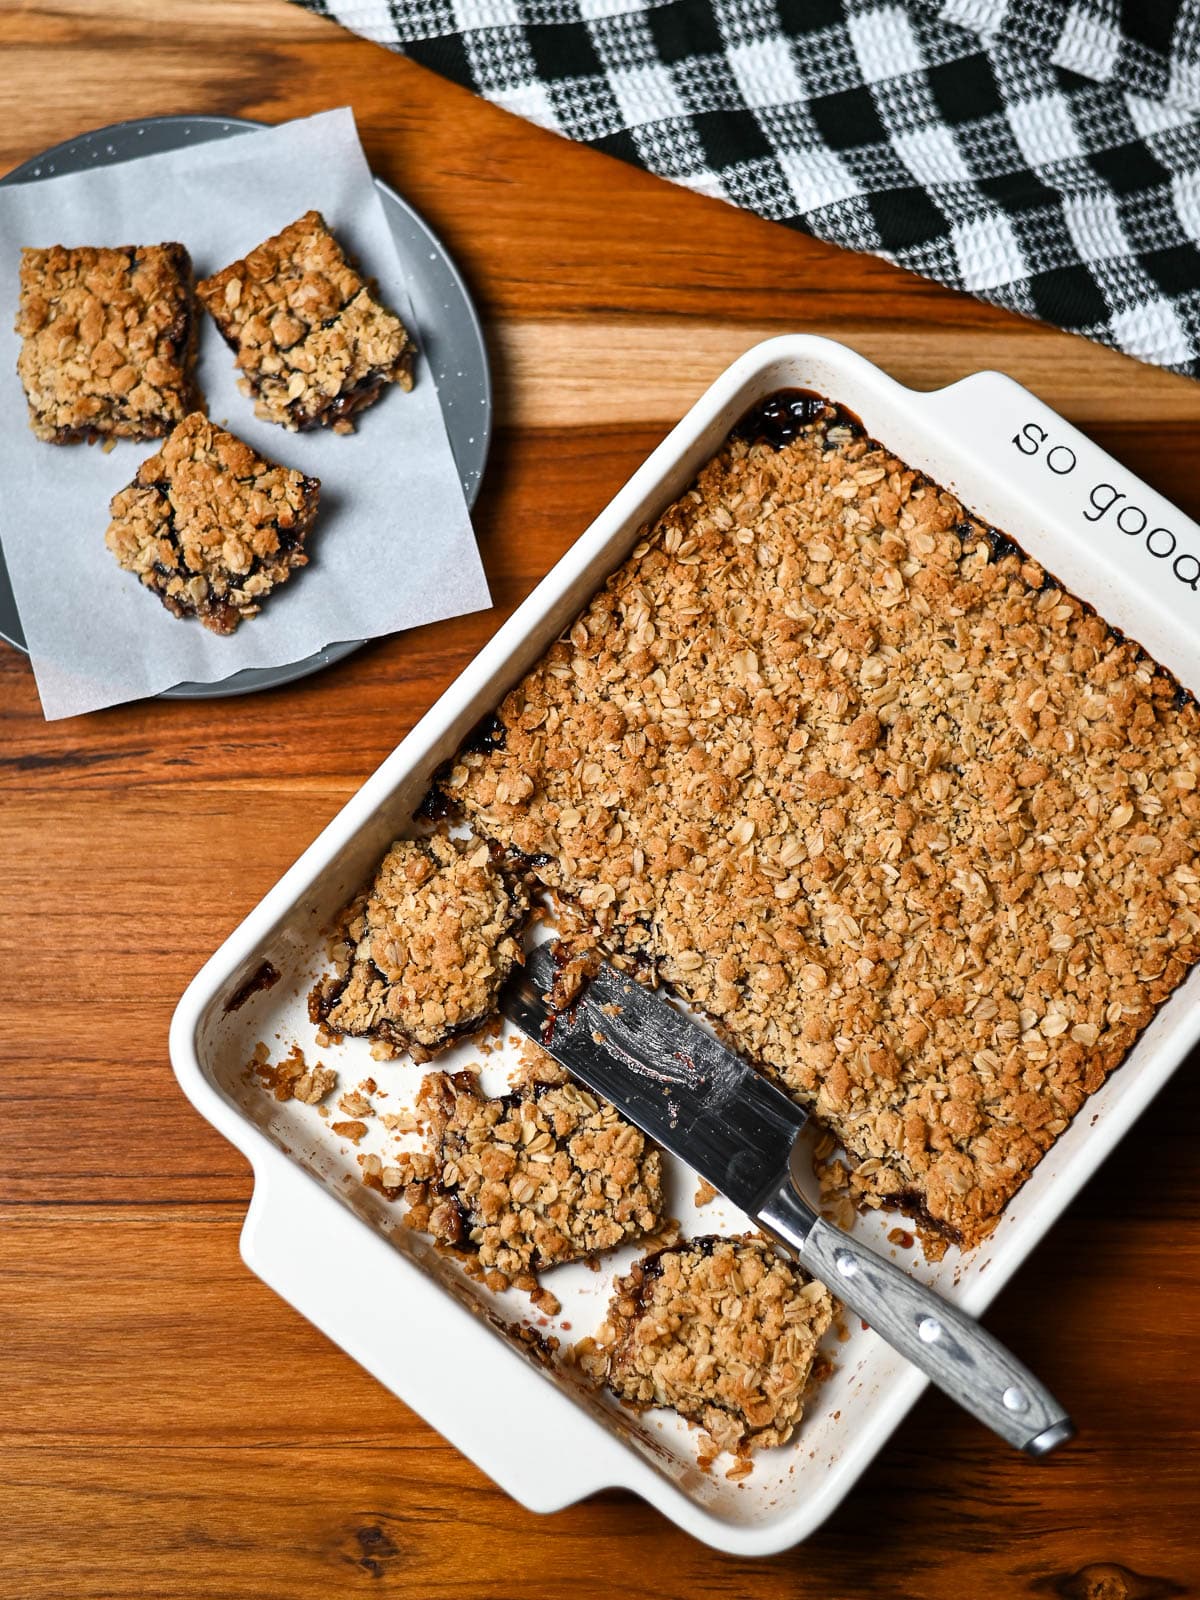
x,y
652,1266
911,1203
357,398
264,976
488,734
999,543
436,804
784,415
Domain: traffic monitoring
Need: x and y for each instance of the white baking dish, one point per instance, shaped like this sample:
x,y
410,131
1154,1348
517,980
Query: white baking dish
x,y
332,1247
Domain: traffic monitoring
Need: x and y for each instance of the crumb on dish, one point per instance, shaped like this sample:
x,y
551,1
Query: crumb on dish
x,y
292,1078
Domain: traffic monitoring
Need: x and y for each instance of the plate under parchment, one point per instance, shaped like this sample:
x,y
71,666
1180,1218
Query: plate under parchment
x,y
447,324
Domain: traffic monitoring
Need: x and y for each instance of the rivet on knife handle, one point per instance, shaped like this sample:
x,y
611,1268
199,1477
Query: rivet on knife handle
x,y
949,1347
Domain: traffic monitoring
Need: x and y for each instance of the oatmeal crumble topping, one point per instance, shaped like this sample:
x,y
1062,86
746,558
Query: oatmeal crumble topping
x,y
723,1331
544,1175
210,526
424,953
109,341
314,343
862,783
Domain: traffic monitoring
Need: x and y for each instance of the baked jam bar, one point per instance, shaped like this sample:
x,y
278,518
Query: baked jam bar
x,y
108,341
314,343
723,1331
547,1174
422,954
866,786
210,526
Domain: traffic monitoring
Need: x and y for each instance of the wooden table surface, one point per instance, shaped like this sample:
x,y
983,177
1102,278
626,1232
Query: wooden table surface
x,y
168,1428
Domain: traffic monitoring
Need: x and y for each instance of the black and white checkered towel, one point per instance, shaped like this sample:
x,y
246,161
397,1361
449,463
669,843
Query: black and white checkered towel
x,y
1041,154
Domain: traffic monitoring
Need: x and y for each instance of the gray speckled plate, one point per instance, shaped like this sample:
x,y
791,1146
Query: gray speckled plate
x,y
447,325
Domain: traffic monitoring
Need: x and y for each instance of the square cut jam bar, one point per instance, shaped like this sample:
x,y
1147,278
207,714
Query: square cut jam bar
x,y
908,821
108,341
210,526
724,1331
526,1181
314,343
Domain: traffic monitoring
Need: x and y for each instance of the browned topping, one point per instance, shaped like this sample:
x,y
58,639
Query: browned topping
x,y
424,953
906,819
109,341
705,1193
532,1179
724,1331
210,526
314,343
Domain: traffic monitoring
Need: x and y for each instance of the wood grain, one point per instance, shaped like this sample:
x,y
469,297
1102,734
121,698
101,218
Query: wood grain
x,y
167,1427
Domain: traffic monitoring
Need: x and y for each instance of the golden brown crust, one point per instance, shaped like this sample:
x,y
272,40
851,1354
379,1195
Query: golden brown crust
x,y
723,1331
906,819
210,526
533,1179
423,954
108,341
315,345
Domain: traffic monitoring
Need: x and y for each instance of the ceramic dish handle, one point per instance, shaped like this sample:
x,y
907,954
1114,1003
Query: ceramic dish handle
x,y
949,1347
427,1347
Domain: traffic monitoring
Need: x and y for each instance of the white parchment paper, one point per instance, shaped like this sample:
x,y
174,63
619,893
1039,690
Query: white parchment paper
x,y
392,545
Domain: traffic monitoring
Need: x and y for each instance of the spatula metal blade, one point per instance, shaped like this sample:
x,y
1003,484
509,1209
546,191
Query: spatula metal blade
x,y
666,1073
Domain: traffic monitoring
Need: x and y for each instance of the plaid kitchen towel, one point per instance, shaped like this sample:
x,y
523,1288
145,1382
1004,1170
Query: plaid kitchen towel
x,y
1041,154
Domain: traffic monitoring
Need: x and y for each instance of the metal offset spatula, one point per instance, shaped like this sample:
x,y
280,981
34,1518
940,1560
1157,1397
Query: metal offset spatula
x,y
725,1120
